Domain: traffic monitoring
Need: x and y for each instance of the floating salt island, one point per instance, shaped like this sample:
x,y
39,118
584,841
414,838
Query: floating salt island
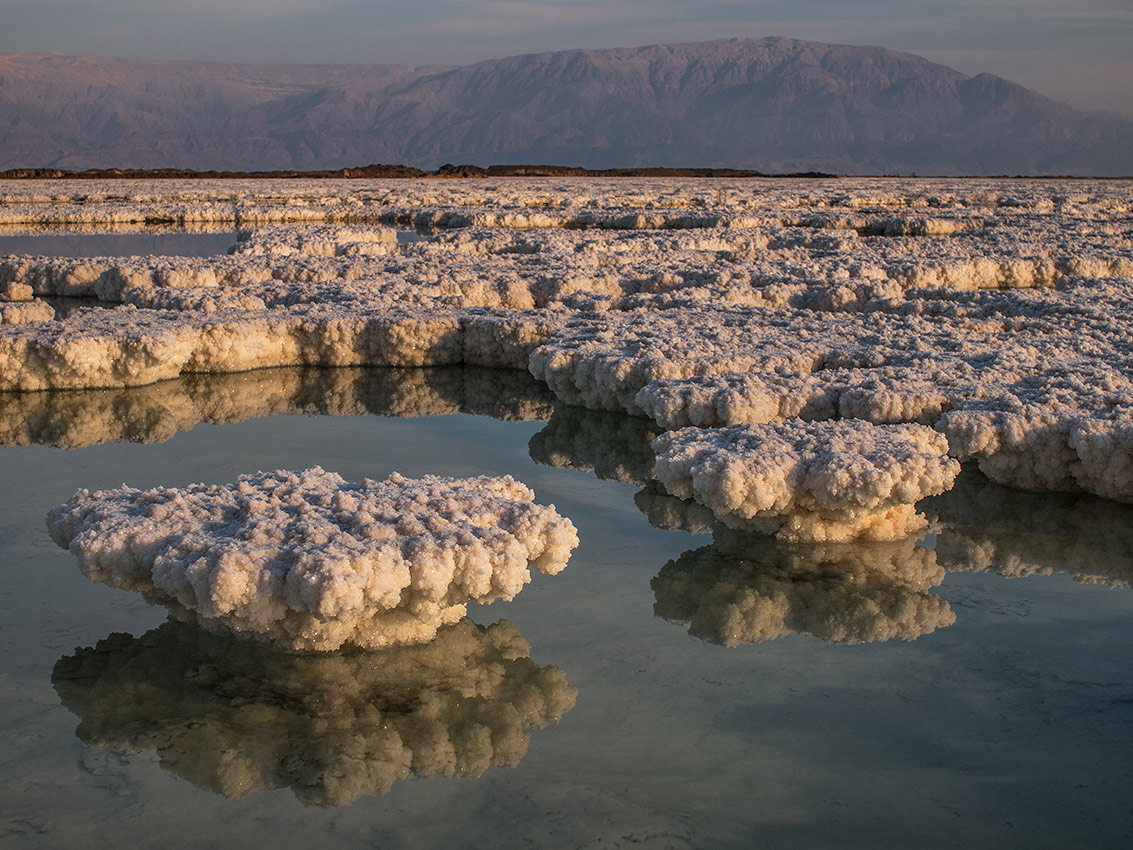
x,y
990,318
310,562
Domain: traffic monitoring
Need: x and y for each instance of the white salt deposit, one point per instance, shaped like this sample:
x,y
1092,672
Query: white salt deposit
x,y
824,481
996,311
311,562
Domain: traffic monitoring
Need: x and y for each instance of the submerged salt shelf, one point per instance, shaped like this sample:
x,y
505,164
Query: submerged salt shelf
x,y
308,561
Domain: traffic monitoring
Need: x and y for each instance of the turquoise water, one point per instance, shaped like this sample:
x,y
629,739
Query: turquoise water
x,y
1009,726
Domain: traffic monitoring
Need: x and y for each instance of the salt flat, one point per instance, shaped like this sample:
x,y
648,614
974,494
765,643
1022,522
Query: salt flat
x,y
997,312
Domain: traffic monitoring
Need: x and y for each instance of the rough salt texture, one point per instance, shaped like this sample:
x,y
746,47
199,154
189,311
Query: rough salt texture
x,y
309,561
832,481
746,588
156,412
25,312
996,311
238,718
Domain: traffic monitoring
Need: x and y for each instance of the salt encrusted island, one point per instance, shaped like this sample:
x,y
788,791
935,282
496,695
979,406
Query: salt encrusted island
x,y
996,313
310,562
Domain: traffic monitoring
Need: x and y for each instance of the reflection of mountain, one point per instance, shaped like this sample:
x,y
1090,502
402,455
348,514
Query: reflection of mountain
x,y
985,526
154,413
611,445
747,588
239,718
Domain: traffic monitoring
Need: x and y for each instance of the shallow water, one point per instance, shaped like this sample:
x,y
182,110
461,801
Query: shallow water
x,y
158,242
161,243
1009,726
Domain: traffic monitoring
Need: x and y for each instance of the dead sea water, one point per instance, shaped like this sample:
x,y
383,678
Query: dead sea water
x,y
1010,725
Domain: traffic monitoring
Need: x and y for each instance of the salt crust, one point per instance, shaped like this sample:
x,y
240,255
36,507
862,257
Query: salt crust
x,y
996,311
156,412
822,481
26,312
309,561
746,588
239,718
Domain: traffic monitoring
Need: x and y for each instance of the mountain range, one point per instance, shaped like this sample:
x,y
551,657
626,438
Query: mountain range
x,y
772,104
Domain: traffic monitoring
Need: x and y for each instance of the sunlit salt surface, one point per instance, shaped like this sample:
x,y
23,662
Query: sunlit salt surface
x,y
733,690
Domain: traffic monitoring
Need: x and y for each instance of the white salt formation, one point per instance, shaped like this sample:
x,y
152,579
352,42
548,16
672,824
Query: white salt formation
x,y
239,718
996,311
746,588
309,561
824,481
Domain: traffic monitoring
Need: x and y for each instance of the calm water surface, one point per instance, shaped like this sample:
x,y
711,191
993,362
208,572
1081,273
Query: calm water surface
x,y
1011,727
160,243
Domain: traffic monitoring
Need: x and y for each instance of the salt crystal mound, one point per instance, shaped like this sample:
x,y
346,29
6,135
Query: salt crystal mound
x,y
746,588
613,446
130,347
818,481
25,312
239,718
156,412
996,311
984,527
308,561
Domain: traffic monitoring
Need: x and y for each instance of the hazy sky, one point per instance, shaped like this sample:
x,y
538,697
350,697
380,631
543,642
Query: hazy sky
x,y
1075,50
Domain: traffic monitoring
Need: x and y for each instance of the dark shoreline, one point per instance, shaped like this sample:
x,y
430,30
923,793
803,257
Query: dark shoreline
x,y
373,172
393,172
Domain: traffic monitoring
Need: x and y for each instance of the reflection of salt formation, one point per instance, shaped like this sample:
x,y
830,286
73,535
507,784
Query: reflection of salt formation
x,y
154,413
240,718
747,588
833,481
311,562
983,526
998,312
666,511
612,445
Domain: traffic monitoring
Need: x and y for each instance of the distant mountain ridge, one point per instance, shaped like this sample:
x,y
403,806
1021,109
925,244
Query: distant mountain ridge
x,y
771,104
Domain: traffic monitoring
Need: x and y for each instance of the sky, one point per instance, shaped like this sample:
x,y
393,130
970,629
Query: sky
x,y
1080,51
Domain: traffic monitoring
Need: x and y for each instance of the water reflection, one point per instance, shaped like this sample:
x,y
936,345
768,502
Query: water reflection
x,y
988,527
613,446
154,413
747,588
139,240
239,718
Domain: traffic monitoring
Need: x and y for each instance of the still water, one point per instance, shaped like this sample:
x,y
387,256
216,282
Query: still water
x,y
156,242
811,718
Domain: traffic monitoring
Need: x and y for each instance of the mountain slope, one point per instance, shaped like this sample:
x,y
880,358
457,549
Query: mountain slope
x,y
774,104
